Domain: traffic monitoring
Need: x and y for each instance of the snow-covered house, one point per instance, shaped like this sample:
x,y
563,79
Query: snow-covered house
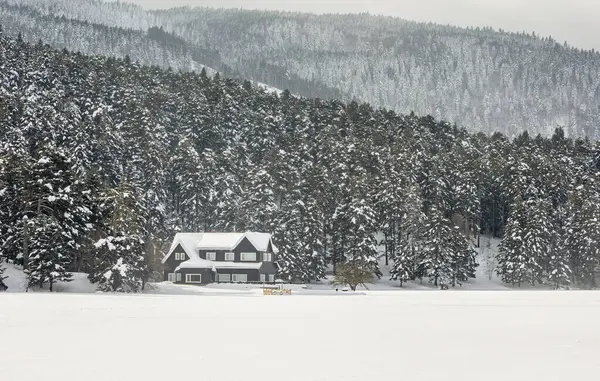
x,y
203,258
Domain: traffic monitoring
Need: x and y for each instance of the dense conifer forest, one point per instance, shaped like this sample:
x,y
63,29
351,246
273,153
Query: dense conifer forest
x,y
485,80
103,159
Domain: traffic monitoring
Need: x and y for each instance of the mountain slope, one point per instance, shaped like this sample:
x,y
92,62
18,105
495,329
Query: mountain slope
x,y
484,80
151,47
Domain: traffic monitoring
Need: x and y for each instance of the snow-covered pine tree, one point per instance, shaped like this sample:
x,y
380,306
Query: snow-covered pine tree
x,y
512,260
389,200
446,258
119,263
558,269
583,232
523,253
538,239
357,219
56,204
300,230
122,260
258,205
191,181
409,241
48,260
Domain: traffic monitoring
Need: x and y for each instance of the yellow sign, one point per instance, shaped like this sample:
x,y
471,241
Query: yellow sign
x,y
270,291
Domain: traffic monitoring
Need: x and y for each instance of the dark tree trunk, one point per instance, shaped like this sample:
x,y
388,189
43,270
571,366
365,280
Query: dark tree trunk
x,y
26,245
385,237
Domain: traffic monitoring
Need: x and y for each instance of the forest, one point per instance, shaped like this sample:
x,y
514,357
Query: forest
x,y
103,159
485,80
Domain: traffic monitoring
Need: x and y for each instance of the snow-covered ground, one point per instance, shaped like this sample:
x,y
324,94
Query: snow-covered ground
x,y
424,336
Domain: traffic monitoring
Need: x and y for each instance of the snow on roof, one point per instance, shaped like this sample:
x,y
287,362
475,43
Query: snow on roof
x,y
204,264
220,241
261,241
192,242
188,242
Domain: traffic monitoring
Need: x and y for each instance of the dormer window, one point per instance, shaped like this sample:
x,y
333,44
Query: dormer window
x,y
211,256
230,257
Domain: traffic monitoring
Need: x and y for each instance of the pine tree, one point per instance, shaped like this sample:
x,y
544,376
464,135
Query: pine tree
x,y
122,260
47,262
120,263
446,258
409,240
300,231
357,219
512,260
523,253
58,217
583,233
558,268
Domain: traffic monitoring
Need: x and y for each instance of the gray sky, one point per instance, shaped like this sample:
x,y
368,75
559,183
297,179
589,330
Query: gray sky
x,y
576,21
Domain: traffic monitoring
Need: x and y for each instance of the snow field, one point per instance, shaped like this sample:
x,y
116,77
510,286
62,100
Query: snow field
x,y
394,335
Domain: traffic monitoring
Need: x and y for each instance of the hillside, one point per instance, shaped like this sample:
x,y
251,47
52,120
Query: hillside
x,y
150,47
481,79
103,159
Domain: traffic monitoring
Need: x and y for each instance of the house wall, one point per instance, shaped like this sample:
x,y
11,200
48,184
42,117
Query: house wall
x,y
253,275
207,275
171,264
243,247
268,268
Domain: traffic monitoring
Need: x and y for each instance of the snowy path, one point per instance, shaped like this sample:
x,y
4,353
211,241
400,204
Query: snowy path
x,y
422,336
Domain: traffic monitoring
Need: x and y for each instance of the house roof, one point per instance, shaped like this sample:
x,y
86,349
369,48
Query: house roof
x,y
204,264
220,241
193,242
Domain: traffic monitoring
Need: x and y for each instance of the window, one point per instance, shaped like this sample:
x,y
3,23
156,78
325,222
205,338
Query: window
x,y
242,278
180,256
248,257
271,278
224,278
178,278
267,257
230,257
171,277
211,256
193,278
263,278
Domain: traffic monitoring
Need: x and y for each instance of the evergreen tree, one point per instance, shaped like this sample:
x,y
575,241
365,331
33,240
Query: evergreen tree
x,y
357,219
410,240
300,231
583,233
524,250
446,258
120,263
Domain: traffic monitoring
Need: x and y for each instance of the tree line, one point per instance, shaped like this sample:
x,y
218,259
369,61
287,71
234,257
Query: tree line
x,y
103,159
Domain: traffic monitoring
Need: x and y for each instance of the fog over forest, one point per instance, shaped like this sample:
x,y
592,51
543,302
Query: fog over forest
x,y
574,21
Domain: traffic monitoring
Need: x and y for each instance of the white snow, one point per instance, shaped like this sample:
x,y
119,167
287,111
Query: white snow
x,y
219,241
424,336
17,283
269,89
